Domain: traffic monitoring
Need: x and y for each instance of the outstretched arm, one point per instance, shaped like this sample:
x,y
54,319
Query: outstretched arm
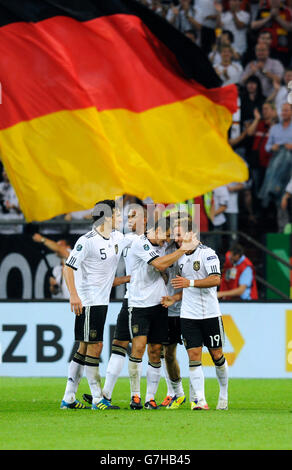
x,y
210,281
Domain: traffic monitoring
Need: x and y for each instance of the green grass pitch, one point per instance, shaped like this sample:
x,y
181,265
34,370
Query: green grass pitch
x,y
259,418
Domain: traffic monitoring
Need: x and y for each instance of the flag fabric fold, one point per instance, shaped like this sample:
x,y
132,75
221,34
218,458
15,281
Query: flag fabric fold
x,y
102,98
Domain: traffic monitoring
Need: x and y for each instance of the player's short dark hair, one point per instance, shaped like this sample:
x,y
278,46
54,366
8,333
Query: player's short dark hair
x,y
237,249
103,209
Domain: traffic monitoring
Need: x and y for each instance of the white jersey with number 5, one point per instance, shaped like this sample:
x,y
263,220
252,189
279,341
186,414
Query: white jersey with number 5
x,y
97,258
199,303
147,286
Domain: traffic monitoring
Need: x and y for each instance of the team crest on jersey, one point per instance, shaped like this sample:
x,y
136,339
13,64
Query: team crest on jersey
x,y
135,329
93,334
146,247
196,265
116,249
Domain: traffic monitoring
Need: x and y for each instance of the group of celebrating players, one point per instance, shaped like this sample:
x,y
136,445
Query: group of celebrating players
x,y
171,296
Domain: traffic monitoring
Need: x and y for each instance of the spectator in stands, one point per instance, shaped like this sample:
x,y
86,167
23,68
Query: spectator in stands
x,y
207,16
268,70
9,207
281,133
251,98
62,249
253,7
265,37
238,277
286,207
279,169
158,7
237,21
228,70
259,130
280,93
183,16
221,198
220,201
276,18
192,34
224,38
231,212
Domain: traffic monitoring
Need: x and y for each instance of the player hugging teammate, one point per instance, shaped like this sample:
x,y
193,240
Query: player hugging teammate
x,y
154,256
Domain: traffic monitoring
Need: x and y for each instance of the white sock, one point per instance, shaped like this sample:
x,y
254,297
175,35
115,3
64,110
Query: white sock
x,y
197,380
178,388
192,393
75,374
114,368
170,392
93,378
135,369
153,376
222,376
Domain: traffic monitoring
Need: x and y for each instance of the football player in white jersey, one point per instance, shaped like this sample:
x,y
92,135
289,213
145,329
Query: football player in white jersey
x,y
168,358
147,318
96,254
137,219
201,320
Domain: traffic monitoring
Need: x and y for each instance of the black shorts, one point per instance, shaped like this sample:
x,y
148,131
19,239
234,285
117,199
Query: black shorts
x,y
174,331
122,329
89,325
151,322
208,332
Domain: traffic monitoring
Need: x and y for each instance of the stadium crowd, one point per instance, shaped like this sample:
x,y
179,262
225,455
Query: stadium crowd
x,y
249,43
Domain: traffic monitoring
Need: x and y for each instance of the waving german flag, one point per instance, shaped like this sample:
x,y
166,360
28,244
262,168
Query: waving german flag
x,y
102,98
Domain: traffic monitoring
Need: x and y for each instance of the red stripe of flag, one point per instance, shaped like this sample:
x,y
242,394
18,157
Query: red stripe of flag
x,y
109,62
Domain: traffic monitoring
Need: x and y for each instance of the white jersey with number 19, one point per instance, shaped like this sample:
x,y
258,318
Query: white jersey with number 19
x,y
199,303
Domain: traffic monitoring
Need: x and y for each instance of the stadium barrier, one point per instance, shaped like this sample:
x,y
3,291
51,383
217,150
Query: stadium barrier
x,y
37,339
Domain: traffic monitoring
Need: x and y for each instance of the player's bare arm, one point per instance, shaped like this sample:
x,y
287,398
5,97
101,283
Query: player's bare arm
x,y
169,300
211,281
75,302
189,243
119,280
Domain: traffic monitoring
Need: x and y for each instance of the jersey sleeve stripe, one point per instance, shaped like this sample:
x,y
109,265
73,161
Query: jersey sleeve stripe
x,y
71,262
67,264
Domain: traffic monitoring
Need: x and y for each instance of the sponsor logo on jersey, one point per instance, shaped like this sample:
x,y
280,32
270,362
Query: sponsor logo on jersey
x,y
211,257
196,265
